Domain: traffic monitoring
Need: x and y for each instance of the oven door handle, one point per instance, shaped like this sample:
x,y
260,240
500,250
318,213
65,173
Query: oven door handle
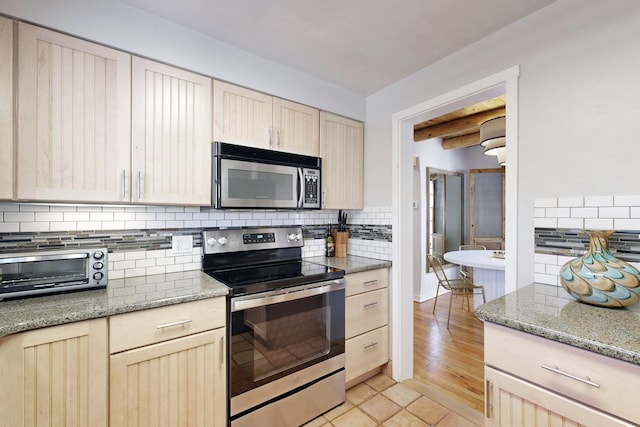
x,y
286,294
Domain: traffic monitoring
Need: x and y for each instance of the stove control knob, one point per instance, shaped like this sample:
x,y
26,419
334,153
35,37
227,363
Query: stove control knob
x,y
211,241
291,237
222,241
299,236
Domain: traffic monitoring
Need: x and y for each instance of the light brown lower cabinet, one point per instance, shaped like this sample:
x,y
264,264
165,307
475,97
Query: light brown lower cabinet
x,y
55,376
534,381
366,320
180,382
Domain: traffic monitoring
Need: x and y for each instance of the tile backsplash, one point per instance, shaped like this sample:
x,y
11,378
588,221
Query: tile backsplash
x,y
561,222
139,237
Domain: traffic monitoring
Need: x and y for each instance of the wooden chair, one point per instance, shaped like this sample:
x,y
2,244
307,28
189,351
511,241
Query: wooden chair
x,y
464,287
467,272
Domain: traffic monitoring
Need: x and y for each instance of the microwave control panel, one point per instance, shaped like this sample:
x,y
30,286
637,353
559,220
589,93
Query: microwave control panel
x,y
311,195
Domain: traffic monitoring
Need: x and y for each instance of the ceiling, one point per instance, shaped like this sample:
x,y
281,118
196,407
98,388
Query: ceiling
x,y
360,45
460,128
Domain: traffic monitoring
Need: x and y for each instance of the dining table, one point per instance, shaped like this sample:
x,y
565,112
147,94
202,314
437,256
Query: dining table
x,y
488,271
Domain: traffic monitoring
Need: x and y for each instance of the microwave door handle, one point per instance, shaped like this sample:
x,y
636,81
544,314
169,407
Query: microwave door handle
x,y
300,188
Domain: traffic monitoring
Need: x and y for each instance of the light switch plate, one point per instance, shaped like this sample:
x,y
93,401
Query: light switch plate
x,y
182,244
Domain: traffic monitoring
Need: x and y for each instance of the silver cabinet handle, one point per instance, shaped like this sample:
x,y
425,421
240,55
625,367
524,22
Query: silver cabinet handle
x,y
124,184
371,304
487,398
270,136
371,344
278,138
178,323
370,282
139,186
585,380
221,351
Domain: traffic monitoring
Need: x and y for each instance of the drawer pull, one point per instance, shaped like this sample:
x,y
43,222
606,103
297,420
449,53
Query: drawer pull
x,y
371,344
371,304
488,388
178,323
585,380
370,282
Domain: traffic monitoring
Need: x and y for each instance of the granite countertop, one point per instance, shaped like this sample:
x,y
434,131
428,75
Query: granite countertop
x,y
133,294
120,296
351,264
547,311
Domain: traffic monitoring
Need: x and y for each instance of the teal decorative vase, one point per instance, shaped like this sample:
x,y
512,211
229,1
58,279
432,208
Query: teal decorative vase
x,y
599,278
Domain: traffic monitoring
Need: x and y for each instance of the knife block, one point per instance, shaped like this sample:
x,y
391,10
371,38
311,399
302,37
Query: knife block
x,y
340,239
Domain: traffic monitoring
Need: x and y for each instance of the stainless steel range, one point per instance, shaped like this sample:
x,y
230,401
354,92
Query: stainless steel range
x,y
286,343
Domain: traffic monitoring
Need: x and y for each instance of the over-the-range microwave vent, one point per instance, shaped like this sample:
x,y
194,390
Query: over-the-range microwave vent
x,y
239,152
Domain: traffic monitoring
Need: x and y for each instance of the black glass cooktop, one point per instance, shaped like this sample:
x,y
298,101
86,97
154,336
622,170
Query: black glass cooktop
x,y
254,279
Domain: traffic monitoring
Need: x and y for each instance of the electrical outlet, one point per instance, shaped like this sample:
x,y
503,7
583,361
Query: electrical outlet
x,y
182,244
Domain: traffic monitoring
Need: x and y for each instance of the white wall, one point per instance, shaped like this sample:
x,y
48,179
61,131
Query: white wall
x,y
578,105
116,24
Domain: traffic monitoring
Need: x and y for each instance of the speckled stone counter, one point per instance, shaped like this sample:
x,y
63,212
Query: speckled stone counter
x,y
548,312
120,296
351,264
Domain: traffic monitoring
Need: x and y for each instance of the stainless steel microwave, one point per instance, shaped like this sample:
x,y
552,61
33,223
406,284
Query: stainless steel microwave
x,y
40,272
254,178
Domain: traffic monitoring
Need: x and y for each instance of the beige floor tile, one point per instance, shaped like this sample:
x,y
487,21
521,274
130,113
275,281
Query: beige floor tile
x,y
317,422
404,419
401,394
354,418
359,393
380,382
427,410
454,420
336,412
379,408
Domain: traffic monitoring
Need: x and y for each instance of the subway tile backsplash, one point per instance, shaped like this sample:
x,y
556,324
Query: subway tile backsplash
x,y
561,226
139,237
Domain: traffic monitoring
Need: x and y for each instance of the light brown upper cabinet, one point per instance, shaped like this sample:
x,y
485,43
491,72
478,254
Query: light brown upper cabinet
x,y
246,117
342,152
74,112
171,135
6,108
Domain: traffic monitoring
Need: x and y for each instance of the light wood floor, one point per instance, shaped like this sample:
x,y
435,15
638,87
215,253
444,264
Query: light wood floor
x,y
451,361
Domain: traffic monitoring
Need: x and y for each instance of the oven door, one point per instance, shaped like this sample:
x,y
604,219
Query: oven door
x,y
279,333
245,184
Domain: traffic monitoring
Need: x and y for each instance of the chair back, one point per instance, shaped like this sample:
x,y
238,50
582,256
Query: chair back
x,y
472,248
437,268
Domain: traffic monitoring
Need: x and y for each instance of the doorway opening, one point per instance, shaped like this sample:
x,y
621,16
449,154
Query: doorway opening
x,y
405,254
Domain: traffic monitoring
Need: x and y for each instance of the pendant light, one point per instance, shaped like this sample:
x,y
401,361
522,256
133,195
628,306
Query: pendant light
x,y
492,138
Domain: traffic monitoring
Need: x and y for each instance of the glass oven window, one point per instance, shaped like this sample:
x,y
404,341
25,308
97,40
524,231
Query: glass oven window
x,y
43,272
272,341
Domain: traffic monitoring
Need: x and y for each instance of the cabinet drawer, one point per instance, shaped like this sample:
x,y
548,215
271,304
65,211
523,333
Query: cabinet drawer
x,y
524,356
140,328
366,352
365,281
366,311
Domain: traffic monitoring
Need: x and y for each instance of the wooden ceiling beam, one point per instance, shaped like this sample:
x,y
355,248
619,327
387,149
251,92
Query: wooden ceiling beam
x,y
457,127
462,141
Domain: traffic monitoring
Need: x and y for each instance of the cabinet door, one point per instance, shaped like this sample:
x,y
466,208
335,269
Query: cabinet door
x,y
179,383
55,376
171,135
242,116
74,112
6,108
342,152
296,127
512,402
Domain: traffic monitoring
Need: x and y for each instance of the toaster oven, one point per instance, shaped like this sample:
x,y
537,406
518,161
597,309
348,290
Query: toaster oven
x,y
40,272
